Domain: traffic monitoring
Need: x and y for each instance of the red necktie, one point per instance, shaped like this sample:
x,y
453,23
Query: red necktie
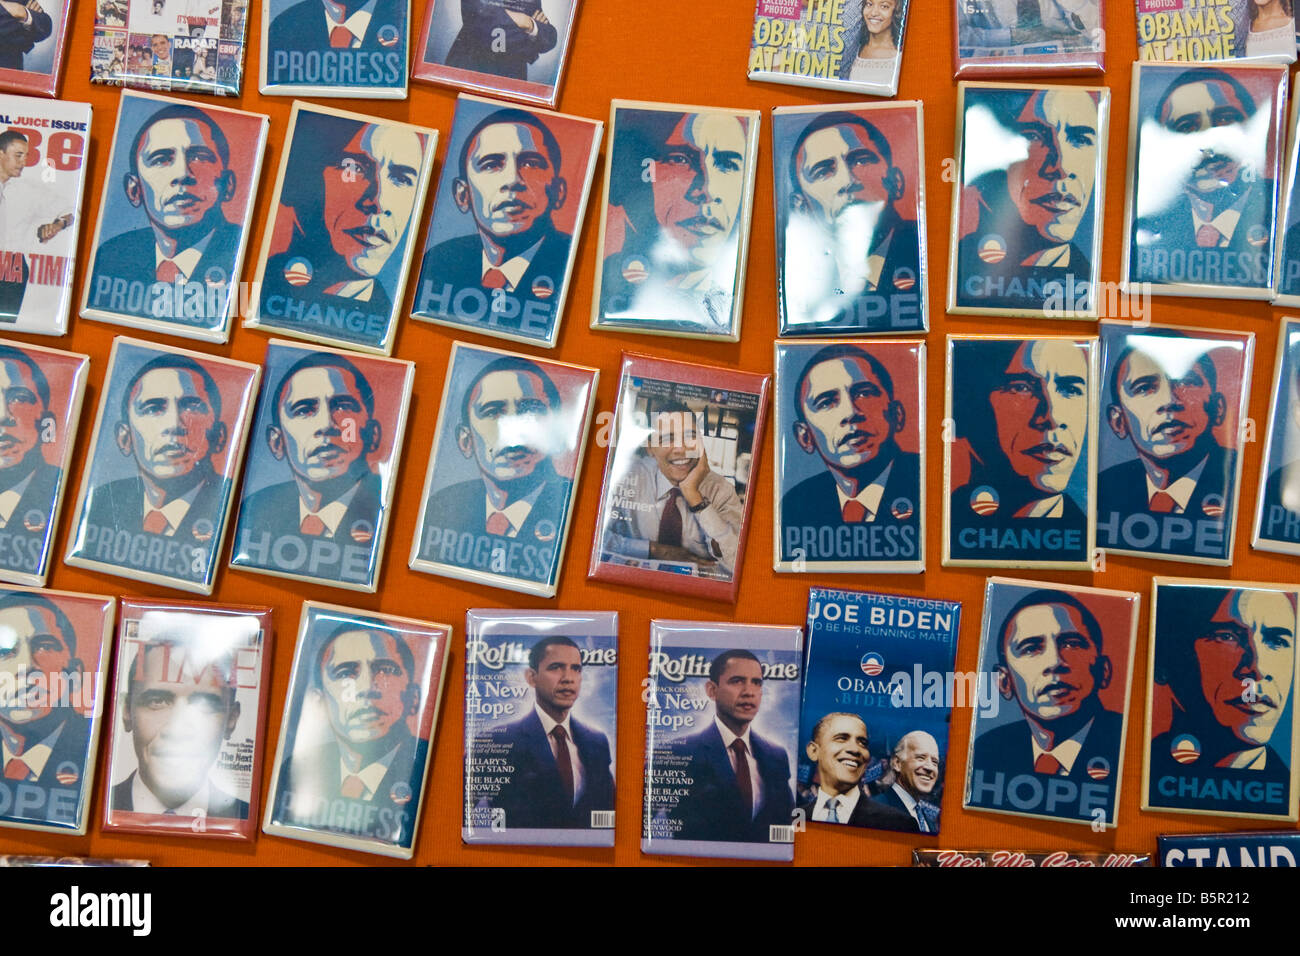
x,y
854,511
353,788
312,525
494,279
498,523
1207,237
563,761
17,770
1162,503
742,775
167,271
670,523
340,38
155,522
1047,764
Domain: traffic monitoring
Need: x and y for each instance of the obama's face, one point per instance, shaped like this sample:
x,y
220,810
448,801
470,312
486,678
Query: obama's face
x,y
507,424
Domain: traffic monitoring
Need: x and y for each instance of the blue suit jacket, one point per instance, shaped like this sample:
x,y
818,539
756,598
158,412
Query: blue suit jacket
x,y
477,47
459,262
814,503
131,256
535,796
1007,749
714,810
17,39
302,27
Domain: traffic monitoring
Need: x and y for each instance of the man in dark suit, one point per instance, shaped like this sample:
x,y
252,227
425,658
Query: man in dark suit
x,y
846,413
1227,658
1051,663
505,416
363,675
740,782
180,176
43,739
915,763
1168,407
179,707
1020,224
324,429
1221,209
500,39
838,746
510,184
170,424
561,773
22,26
1022,406
28,483
845,186
343,25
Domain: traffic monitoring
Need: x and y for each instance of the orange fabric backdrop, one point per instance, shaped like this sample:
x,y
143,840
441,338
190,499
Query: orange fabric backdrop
x,y
680,51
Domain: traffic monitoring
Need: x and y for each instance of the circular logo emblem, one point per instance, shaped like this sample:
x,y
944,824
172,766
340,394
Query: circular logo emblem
x,y
215,275
993,248
1099,768
543,287
984,500
297,271
872,663
67,774
904,279
1185,748
204,529
545,530
901,508
401,793
388,35
34,521
1257,235
635,270
1213,506
362,531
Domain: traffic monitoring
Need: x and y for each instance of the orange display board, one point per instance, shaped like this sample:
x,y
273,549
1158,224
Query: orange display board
x,y
677,51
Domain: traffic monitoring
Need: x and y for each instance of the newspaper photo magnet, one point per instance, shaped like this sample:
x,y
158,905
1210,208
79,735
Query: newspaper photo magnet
x,y
358,730
850,214
1205,173
1047,739
854,46
42,390
338,247
44,146
1027,203
722,727
158,481
1174,404
178,46
31,46
1020,462
504,234
541,710
56,675
1018,38
1221,717
503,473
329,48
1277,513
674,231
174,217
316,500
189,709
679,478
849,492
514,49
